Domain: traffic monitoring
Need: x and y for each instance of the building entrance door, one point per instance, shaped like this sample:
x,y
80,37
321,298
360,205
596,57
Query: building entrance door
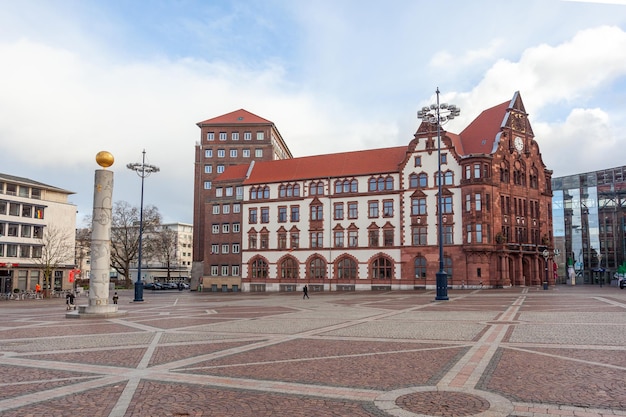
x,y
6,282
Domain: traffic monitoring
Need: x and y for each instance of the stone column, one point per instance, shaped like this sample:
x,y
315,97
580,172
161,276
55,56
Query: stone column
x,y
100,244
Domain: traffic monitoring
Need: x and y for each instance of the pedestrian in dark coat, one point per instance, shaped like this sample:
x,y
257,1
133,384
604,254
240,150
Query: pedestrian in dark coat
x,y
305,292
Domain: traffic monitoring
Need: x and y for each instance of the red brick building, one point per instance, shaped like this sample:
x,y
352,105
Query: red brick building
x,y
368,219
233,139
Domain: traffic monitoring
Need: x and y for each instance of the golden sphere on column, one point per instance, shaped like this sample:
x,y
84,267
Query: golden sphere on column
x,y
104,159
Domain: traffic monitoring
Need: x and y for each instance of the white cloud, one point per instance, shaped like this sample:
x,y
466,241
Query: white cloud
x,y
546,75
586,141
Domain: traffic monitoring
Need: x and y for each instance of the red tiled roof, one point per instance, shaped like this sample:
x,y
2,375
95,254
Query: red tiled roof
x,y
233,173
479,136
240,116
346,164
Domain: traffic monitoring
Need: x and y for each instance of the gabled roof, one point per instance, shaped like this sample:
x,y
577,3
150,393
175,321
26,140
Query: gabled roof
x,y
345,164
479,136
240,116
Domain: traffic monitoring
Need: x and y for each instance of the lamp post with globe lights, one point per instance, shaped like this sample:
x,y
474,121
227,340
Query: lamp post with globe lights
x,y
143,170
439,114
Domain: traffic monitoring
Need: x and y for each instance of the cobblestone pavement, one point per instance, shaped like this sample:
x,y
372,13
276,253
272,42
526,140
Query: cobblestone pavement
x,y
517,352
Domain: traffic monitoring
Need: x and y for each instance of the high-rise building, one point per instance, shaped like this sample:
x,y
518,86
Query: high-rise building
x,y
234,139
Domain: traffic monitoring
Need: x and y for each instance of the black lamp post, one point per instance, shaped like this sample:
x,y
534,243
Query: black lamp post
x,y
439,113
143,170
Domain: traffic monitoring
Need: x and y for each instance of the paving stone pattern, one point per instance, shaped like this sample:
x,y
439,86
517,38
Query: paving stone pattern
x,y
515,352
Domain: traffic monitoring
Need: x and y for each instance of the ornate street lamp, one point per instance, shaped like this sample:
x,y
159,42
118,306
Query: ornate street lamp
x,y
439,114
143,170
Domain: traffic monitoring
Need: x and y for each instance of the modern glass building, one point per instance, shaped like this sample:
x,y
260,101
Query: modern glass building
x,y
589,214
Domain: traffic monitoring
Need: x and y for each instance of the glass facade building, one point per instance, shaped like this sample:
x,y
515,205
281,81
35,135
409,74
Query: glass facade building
x,y
588,222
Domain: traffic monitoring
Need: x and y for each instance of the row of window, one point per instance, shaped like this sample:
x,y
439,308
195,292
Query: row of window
x,y
225,270
225,228
475,233
226,209
22,210
520,206
349,210
21,230
519,234
223,136
341,186
234,152
225,248
345,267
317,188
20,251
476,200
477,171
519,174
19,190
341,238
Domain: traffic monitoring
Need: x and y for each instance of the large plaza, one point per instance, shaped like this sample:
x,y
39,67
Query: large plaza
x,y
521,351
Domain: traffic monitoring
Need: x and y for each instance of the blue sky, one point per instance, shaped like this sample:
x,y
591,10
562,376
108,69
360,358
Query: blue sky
x,y
83,76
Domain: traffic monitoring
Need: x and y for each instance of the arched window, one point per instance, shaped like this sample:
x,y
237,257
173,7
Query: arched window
x,y
354,186
316,188
420,267
422,179
389,183
504,172
266,192
372,184
317,268
413,181
448,178
534,178
258,268
296,190
289,268
338,187
346,268
381,268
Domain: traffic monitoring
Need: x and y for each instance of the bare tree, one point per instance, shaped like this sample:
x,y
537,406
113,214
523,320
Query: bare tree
x,y
56,251
125,235
161,246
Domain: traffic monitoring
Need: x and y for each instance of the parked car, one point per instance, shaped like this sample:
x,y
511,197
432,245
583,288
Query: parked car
x,y
170,286
152,286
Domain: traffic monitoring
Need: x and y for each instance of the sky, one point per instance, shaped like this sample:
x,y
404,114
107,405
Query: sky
x,y
81,76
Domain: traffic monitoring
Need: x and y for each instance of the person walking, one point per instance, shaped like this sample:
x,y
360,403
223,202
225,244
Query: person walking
x,y
69,300
305,292
115,298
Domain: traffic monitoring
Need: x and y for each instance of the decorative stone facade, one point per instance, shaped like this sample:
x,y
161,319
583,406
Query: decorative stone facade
x,y
368,219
